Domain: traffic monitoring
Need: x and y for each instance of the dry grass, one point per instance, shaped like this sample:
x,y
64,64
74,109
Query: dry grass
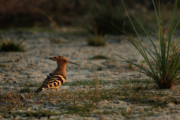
x,y
10,98
88,102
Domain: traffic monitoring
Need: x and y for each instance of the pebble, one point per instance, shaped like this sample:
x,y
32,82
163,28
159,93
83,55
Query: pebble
x,y
171,105
128,109
29,100
15,81
117,102
22,96
43,118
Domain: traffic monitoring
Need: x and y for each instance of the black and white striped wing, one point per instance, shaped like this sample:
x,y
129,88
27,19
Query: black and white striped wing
x,y
54,81
48,78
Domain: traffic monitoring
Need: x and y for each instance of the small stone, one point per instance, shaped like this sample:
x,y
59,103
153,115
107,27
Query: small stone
x,y
151,92
15,81
18,117
29,101
28,109
117,102
101,117
170,104
53,117
105,101
149,100
46,102
128,109
101,86
22,96
111,66
23,115
43,118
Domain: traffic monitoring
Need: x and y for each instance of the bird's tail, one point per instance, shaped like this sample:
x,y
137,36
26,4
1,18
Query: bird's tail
x,y
39,90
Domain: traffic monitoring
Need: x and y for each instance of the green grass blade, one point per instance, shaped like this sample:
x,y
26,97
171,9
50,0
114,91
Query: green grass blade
x,y
171,31
166,58
130,20
157,17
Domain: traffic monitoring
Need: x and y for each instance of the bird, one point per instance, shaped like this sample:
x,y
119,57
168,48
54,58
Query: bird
x,y
55,79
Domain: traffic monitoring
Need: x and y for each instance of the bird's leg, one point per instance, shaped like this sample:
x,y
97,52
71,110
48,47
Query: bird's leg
x,y
57,90
51,90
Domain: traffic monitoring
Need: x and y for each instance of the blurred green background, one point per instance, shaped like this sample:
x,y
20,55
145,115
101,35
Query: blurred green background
x,y
92,15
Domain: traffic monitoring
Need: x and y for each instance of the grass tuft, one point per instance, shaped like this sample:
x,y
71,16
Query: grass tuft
x,y
163,61
82,110
9,46
25,90
36,114
99,57
97,41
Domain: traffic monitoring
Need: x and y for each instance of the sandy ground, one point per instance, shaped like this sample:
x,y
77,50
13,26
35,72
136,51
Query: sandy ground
x,y
33,65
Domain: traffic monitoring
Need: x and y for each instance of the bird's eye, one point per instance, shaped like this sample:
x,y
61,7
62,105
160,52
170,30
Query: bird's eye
x,y
64,60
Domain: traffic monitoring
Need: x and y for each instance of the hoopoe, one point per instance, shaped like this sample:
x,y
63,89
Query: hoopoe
x,y
55,79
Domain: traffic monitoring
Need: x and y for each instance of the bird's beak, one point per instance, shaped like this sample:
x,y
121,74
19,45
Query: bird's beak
x,y
73,63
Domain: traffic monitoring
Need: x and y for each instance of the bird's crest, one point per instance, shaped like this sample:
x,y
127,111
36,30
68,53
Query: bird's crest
x,y
58,58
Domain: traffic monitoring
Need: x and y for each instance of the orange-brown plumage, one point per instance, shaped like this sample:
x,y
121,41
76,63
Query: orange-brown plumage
x,y
55,79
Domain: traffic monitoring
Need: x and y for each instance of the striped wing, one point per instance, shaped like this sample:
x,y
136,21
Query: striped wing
x,y
48,78
53,81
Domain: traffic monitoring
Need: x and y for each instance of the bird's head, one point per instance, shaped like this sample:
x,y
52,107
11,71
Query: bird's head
x,y
62,61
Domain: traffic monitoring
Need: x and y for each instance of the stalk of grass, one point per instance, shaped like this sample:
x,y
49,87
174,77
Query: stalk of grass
x,y
166,57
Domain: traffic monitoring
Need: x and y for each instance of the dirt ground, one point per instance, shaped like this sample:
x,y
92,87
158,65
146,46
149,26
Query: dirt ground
x,y
105,88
